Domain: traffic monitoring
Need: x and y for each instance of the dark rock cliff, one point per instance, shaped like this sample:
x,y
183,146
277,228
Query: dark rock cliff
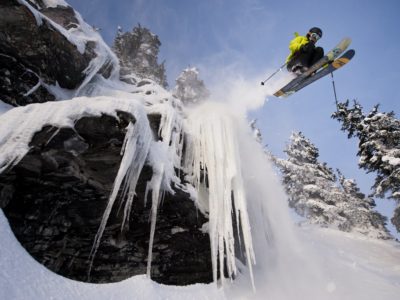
x,y
55,198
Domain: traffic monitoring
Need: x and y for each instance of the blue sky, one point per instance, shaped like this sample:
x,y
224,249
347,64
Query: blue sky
x,y
250,38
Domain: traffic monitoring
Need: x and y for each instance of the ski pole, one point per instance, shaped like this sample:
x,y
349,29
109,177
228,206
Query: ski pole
x,y
334,89
280,68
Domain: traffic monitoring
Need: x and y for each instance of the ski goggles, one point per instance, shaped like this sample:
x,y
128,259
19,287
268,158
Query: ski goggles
x,y
315,36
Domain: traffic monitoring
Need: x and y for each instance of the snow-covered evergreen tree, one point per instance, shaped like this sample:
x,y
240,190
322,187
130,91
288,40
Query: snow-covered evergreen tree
x,y
138,54
379,147
189,88
309,184
360,212
313,192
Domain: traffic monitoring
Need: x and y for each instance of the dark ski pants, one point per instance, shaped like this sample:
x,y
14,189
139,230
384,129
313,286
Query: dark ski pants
x,y
306,57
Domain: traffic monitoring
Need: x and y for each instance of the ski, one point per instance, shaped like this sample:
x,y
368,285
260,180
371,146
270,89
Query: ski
x,y
329,57
333,66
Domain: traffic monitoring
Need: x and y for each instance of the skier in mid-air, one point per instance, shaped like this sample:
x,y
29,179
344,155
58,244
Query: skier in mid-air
x,y
310,63
303,52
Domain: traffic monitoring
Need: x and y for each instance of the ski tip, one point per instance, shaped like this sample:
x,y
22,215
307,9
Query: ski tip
x,y
346,42
279,94
262,83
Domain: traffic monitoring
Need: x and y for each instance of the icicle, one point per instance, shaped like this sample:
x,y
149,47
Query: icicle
x,y
163,156
155,186
213,160
36,14
137,145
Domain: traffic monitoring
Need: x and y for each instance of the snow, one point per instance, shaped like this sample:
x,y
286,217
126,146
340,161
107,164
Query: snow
x,y
20,124
4,107
22,278
394,161
355,267
54,3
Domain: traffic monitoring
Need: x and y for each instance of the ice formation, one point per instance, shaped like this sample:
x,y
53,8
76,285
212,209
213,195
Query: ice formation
x,y
163,156
214,162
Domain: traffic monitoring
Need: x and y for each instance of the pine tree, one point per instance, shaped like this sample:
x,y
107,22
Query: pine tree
x,y
313,192
379,147
309,184
138,53
360,212
189,88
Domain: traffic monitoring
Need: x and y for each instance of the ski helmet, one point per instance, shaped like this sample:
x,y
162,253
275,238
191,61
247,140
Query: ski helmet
x,y
316,30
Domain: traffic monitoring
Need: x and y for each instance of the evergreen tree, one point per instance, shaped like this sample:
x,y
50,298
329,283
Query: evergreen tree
x,y
138,54
360,212
313,192
379,147
309,184
189,88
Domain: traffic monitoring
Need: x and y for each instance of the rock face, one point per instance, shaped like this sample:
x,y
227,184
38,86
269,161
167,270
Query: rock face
x,y
34,55
55,198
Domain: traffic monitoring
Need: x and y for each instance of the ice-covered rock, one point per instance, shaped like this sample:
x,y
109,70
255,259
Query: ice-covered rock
x,y
59,166
44,48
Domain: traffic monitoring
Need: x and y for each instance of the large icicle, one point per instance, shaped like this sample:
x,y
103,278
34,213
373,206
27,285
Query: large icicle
x,y
212,161
164,157
155,186
135,149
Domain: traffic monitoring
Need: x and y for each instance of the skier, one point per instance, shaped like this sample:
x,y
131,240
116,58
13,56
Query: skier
x,y
303,53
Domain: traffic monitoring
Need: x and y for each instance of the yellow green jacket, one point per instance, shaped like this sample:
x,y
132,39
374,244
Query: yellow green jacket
x,y
296,44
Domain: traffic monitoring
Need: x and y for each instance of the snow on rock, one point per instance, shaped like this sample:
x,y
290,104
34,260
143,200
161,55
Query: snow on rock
x,y
19,124
54,3
80,36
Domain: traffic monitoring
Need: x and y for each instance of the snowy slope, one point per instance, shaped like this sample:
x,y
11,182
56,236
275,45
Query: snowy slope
x,y
358,268
23,278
